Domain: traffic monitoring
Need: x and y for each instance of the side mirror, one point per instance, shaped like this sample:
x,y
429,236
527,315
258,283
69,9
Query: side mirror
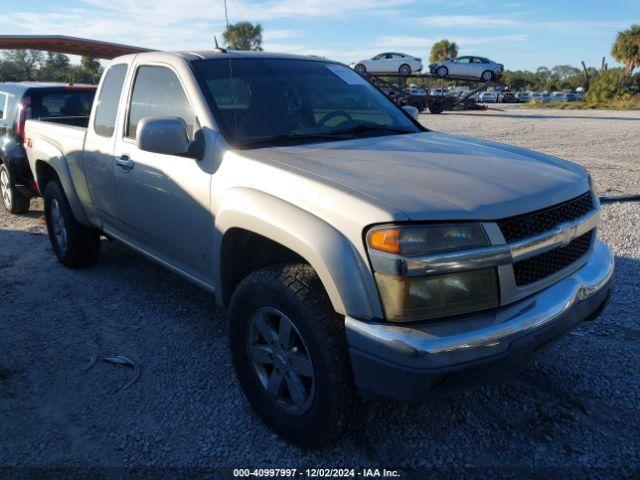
x,y
168,136
413,111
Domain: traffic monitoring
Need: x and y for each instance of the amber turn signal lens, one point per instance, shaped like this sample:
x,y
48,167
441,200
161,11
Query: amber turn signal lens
x,y
385,240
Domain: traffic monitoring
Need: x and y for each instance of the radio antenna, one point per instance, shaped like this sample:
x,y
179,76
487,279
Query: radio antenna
x,y
218,47
226,14
226,19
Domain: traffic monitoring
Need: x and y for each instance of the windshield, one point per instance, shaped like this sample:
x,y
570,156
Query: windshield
x,y
267,101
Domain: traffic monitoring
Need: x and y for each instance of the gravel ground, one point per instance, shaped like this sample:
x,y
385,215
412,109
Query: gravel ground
x,y
606,142
573,412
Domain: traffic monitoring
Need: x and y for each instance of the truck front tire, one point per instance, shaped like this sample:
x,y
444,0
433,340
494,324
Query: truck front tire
x,y
74,244
290,353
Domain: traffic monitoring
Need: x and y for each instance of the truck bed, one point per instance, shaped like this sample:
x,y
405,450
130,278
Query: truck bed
x,y
60,143
66,134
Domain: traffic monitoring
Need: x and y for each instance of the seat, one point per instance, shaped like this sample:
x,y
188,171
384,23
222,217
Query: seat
x,y
38,110
72,107
268,113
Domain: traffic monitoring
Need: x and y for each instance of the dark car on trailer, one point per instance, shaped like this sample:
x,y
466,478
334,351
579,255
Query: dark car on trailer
x,y
18,103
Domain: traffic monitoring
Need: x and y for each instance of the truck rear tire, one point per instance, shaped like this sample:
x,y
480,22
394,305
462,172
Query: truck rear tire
x,y
74,244
436,107
13,201
290,354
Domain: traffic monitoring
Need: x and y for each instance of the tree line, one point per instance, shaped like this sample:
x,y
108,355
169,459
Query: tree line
x,y
602,83
35,65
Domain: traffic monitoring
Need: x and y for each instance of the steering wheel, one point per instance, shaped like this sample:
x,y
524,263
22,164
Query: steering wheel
x,y
329,116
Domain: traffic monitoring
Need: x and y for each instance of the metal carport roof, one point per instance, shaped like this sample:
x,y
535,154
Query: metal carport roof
x,y
68,45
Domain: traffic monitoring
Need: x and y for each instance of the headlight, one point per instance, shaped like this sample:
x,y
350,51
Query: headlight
x,y
424,298
407,299
422,240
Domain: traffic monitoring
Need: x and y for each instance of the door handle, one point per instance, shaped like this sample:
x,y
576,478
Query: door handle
x,y
124,162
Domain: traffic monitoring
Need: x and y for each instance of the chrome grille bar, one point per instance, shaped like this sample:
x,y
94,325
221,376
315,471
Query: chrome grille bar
x,y
484,257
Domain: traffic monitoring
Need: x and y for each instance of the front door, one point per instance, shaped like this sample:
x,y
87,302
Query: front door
x,y
462,67
164,201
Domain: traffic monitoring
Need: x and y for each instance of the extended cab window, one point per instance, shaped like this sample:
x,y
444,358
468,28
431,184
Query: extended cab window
x,y
107,108
157,93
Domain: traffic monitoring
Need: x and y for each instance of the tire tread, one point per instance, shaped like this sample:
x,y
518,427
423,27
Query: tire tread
x,y
83,242
302,285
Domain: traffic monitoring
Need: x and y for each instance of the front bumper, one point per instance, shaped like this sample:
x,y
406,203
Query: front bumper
x,y
419,361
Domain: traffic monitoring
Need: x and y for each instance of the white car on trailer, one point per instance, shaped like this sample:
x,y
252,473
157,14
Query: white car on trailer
x,y
389,62
469,67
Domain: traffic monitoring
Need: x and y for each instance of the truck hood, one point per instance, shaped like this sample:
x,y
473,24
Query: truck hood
x,y
437,176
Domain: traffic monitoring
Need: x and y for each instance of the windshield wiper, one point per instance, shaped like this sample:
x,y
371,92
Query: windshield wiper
x,y
292,137
372,127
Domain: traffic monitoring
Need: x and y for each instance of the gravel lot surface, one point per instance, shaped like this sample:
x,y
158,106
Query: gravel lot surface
x,y
574,412
606,142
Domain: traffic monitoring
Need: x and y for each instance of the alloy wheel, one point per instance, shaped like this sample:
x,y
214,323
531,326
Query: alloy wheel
x,y
281,361
5,189
58,226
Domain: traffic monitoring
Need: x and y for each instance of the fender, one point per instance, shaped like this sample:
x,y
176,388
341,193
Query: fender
x,y
343,272
56,159
14,157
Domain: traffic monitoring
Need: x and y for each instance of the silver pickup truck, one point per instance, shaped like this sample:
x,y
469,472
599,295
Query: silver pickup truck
x,y
355,250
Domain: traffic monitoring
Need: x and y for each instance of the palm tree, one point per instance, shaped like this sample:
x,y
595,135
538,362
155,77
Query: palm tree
x,y
626,49
443,50
244,36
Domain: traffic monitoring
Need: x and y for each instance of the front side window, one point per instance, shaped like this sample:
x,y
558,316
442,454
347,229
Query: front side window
x,y
462,60
3,105
256,100
157,92
107,107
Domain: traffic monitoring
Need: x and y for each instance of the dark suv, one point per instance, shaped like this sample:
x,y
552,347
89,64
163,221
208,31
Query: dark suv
x,y
19,102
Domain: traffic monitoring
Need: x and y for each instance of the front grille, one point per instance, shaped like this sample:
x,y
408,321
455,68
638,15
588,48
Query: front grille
x,y
541,266
534,223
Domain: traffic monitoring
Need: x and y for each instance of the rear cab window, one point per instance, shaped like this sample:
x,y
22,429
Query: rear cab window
x,y
65,102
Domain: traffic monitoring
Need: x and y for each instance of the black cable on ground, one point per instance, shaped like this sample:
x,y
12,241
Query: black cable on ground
x,y
620,198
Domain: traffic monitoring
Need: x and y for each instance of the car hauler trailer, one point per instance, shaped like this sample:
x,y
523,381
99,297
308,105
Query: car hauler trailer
x,y
434,103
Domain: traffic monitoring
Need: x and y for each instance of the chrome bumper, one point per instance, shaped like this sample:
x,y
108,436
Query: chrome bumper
x,y
457,344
